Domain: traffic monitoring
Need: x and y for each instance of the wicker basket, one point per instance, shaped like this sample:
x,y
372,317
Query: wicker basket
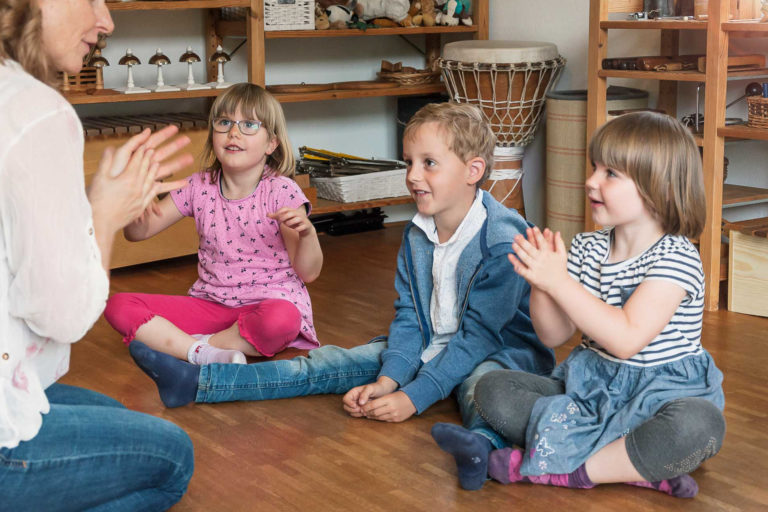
x,y
416,77
362,187
289,15
279,14
757,112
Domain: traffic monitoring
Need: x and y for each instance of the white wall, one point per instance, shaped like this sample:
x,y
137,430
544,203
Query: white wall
x,y
367,126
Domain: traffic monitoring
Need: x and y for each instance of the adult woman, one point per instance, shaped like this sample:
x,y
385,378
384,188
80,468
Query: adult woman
x,y
61,447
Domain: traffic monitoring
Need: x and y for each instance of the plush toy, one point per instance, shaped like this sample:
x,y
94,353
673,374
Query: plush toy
x,y
339,16
422,12
451,11
321,18
395,10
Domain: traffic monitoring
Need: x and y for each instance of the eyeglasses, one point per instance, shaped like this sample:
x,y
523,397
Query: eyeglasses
x,y
246,126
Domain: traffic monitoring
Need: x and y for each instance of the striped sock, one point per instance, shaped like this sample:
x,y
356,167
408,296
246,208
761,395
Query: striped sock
x,y
504,466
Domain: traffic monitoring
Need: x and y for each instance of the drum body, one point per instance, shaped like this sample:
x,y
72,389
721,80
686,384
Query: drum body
x,y
509,81
567,153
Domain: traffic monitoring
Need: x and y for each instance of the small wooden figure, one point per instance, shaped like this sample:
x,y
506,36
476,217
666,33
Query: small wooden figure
x,y
159,59
190,58
130,60
220,57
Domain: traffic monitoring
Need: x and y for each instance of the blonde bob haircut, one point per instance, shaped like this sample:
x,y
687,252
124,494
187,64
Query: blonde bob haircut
x,y
467,132
21,38
660,155
254,103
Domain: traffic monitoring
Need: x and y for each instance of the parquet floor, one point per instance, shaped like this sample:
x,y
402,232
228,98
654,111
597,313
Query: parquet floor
x,y
305,454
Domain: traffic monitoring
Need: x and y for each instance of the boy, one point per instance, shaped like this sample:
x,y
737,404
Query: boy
x,y
461,311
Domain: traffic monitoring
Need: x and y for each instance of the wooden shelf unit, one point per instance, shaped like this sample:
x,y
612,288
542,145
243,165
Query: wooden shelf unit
x,y
252,28
718,30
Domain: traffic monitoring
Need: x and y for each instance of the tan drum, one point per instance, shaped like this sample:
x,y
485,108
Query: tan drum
x,y
508,80
567,150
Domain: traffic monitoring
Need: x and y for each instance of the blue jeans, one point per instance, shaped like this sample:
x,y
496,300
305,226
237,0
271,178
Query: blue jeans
x,y
92,453
326,370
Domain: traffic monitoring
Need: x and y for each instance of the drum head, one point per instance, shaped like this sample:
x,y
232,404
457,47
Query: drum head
x,y
499,52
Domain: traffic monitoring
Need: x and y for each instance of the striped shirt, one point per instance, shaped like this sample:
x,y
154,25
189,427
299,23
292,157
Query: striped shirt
x,y
673,259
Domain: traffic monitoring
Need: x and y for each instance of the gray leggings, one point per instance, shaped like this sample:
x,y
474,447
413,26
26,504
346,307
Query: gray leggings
x,y
676,440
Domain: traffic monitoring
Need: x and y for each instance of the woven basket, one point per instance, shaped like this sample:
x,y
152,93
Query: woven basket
x,y
418,77
362,187
289,15
757,112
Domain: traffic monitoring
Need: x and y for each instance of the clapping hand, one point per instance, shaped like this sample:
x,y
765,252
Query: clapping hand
x,y
540,259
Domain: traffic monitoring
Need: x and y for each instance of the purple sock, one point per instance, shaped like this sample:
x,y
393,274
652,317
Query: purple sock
x,y
504,466
682,486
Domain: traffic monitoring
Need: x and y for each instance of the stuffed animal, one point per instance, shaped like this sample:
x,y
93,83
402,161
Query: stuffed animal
x,y
422,12
451,11
339,16
321,18
395,10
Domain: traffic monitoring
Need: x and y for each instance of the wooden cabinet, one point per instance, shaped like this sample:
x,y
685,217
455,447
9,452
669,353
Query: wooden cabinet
x,y
718,30
182,239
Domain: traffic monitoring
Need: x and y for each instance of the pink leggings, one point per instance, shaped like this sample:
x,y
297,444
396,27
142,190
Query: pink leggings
x,y
269,325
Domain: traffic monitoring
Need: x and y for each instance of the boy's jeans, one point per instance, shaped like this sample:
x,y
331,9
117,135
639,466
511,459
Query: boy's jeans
x,y
94,454
326,370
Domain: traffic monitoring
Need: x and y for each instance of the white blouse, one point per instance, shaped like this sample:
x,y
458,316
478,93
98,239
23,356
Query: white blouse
x,y
52,283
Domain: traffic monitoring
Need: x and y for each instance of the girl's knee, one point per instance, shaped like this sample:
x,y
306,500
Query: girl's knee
x,y
271,326
697,421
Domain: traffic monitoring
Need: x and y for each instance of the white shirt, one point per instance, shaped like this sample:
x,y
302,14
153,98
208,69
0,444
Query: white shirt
x,y
444,302
52,284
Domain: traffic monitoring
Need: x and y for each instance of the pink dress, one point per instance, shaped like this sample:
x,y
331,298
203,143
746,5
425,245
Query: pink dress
x,y
242,257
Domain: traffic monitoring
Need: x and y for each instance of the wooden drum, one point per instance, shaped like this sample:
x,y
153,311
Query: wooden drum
x,y
509,81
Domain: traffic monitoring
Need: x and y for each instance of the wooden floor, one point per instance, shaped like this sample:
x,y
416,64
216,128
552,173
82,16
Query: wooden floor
x,y
306,454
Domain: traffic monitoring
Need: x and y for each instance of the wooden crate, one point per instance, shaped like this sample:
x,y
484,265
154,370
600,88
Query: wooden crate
x,y
178,240
748,267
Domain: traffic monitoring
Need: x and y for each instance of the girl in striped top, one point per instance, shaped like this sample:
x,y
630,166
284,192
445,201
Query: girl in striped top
x,y
639,401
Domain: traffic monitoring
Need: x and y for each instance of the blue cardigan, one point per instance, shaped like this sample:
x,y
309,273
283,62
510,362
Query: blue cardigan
x,y
494,321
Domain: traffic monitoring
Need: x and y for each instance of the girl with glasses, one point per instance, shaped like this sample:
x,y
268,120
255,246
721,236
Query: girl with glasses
x,y
257,245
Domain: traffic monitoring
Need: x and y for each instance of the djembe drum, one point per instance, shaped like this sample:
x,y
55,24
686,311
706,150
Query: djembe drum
x,y
509,81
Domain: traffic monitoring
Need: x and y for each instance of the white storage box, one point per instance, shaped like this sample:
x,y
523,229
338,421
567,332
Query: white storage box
x,y
362,187
289,15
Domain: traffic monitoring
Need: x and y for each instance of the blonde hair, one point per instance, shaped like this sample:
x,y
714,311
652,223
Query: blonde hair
x,y
21,38
660,155
469,132
256,103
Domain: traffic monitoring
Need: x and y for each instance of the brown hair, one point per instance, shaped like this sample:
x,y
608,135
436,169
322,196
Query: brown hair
x,y
661,157
21,38
469,132
254,102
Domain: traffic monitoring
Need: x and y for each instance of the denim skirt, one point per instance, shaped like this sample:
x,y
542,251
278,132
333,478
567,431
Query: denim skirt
x,y
605,400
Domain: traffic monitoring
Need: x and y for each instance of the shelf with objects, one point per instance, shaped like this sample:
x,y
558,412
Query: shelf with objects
x,y
713,68
88,90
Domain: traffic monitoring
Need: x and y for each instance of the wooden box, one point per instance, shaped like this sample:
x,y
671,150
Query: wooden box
x,y
748,268
178,240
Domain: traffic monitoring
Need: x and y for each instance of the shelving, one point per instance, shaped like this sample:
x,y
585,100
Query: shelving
x,y
183,239
714,134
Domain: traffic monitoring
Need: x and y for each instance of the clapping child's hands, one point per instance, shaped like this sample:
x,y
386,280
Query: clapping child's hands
x,y
540,259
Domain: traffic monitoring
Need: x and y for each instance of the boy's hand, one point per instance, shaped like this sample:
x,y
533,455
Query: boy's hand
x,y
394,407
294,218
541,259
357,397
